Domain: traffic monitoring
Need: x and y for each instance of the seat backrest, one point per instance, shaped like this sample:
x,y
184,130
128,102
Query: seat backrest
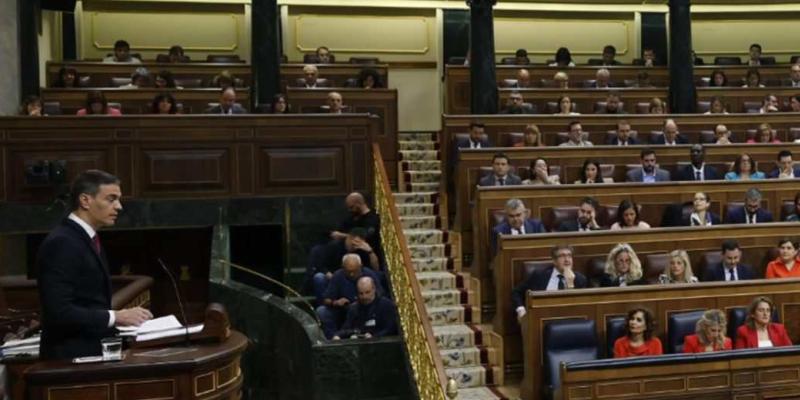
x,y
351,82
654,265
529,267
595,61
751,107
680,324
703,106
565,341
727,61
643,107
704,81
732,206
456,60
595,269
118,81
768,60
364,60
189,82
793,59
787,209
509,82
223,58
707,137
51,107
509,139
709,258
587,83
162,58
508,60
561,214
736,318
615,329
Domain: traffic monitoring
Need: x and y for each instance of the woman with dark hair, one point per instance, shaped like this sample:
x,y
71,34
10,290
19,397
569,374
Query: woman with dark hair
x,y
638,339
565,106
563,58
744,168
279,104
753,79
176,54
628,217
591,172
718,79
164,104
759,330
787,264
96,104
795,217
794,103
709,334
31,106
540,174
716,106
165,80
67,78
701,214
369,78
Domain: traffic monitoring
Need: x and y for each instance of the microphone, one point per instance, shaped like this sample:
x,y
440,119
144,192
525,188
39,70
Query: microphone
x,y
177,296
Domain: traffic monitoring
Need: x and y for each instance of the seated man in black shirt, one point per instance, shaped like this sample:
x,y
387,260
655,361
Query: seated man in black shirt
x,y
361,216
371,316
330,261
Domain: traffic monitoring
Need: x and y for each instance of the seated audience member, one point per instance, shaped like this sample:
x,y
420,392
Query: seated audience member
x,y
639,339
794,102
722,135
649,172
731,268
565,106
649,57
323,55
476,139
716,107
165,80
67,78
310,74
371,316
795,216
227,104
759,330
751,213
516,105
697,170
532,137
744,168
587,218
31,107
671,136
784,265
341,292
516,223
794,76
679,269
96,104
657,106
609,55
591,172
623,137
701,215
709,334
223,79
176,54
613,105
718,79
576,136
164,104
623,268
523,79
139,79
335,103
753,79
784,167
356,243
602,79
697,60
628,217
521,57
122,54
369,78
501,173
360,216
769,104
540,174
643,80
765,134
563,58
558,277
561,80
755,55
279,104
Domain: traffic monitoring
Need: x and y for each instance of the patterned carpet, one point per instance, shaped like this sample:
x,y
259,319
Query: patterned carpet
x,y
451,302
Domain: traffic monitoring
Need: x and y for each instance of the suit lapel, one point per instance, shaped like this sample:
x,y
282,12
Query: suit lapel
x,y
87,241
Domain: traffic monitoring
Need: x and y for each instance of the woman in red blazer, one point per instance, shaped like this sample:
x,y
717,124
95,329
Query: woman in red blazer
x,y
759,330
638,339
709,334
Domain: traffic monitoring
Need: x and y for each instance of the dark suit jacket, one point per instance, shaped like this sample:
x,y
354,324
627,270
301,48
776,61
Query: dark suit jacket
x,y
237,109
524,109
737,216
75,294
531,226
635,175
687,173
489,180
569,226
680,139
776,172
715,220
607,281
463,143
615,141
537,281
717,273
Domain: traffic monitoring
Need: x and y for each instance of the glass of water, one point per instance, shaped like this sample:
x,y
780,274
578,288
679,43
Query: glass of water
x,y
112,348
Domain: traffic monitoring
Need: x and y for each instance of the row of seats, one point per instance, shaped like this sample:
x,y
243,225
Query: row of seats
x,y
721,60
633,83
186,83
551,107
311,58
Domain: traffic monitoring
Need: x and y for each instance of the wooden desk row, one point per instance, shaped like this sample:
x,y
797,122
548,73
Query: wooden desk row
x,y
140,101
603,304
192,156
338,73
101,73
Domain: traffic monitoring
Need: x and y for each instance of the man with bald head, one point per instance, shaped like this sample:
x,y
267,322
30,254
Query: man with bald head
x,y
310,76
360,216
671,136
335,103
342,291
227,103
372,316
523,79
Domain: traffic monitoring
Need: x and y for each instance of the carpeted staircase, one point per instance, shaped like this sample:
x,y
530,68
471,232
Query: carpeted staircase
x,y
451,296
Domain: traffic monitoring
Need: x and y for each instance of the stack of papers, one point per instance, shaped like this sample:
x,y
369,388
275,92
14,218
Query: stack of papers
x,y
14,348
158,328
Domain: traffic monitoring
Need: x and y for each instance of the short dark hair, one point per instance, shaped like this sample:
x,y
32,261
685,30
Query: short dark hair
x,y
729,245
590,201
623,122
521,53
500,155
610,49
624,205
784,153
751,309
476,124
96,96
121,44
176,50
756,45
154,108
785,240
649,322
573,123
596,163
646,152
89,182
562,246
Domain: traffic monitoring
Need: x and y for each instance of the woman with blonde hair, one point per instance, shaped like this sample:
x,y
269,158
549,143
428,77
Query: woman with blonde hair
x,y
532,137
679,269
709,334
623,268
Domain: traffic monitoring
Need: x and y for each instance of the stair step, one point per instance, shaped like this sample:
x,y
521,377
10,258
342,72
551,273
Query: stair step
x,y
478,393
417,145
422,187
453,336
416,209
424,236
466,377
415,198
423,176
424,222
424,165
437,280
462,357
448,297
428,251
417,136
418,155
431,264
449,315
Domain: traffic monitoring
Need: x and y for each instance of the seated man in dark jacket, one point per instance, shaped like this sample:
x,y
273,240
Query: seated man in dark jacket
x,y
341,292
371,316
516,223
730,269
751,213
697,170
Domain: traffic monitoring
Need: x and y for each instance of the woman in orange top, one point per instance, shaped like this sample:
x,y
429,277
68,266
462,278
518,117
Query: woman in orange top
x,y
638,339
709,334
786,265
759,330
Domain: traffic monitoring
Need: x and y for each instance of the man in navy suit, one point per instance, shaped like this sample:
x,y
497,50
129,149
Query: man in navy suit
x,y
649,173
730,269
785,168
671,136
476,139
623,137
501,173
558,277
751,213
74,283
697,170
516,223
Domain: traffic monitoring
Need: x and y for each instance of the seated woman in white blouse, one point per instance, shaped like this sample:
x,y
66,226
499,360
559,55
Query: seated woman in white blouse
x,y
628,217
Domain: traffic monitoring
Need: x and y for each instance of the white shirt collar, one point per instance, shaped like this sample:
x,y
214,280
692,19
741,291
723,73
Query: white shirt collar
x,y
552,284
728,272
86,227
520,231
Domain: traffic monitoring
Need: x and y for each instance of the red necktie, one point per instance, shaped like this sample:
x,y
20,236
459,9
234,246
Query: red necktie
x,y
96,243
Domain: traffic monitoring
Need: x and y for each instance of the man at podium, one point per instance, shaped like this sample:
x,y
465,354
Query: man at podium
x,y
74,281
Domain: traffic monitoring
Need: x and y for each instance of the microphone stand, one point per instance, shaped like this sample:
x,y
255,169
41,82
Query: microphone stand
x,y
178,296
